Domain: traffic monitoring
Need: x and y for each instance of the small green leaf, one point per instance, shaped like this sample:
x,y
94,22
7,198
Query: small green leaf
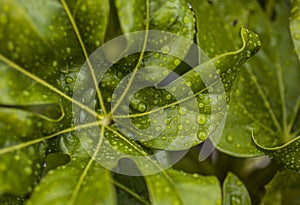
x,y
283,189
183,188
234,191
295,24
76,182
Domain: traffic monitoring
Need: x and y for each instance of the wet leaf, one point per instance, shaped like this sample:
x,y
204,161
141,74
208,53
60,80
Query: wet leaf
x,y
45,46
182,188
76,182
265,97
38,60
283,189
234,191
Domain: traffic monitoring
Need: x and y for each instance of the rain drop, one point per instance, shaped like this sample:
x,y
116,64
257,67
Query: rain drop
x,y
235,200
142,107
229,138
165,49
201,119
296,36
69,79
202,135
10,46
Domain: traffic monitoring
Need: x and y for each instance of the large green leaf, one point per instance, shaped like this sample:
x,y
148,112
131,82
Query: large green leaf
x,y
39,42
265,97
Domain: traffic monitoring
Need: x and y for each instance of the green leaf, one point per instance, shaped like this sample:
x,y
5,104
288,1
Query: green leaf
x,y
256,109
40,43
295,24
183,188
45,46
234,191
283,189
76,182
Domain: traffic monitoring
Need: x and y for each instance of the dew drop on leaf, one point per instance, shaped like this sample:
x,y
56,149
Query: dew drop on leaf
x,y
229,138
165,49
54,63
142,107
202,135
201,119
10,46
235,200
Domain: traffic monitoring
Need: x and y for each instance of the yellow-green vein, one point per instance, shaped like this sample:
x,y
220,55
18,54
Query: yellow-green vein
x,y
265,99
294,114
47,85
35,141
144,154
139,60
86,169
121,186
283,100
76,30
255,120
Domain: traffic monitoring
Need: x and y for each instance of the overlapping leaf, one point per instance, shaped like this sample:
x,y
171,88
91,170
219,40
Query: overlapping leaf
x,y
234,191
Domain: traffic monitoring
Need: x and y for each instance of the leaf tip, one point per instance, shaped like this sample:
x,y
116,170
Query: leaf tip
x,y
250,40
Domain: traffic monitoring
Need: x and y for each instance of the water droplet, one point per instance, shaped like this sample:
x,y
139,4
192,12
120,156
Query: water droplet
x,y
69,79
68,50
168,97
142,107
258,43
180,127
156,55
201,119
165,49
201,105
10,46
229,138
54,63
235,200
28,170
296,36
17,157
189,84
176,62
25,93
248,54
81,116
202,135
185,19
158,129
83,8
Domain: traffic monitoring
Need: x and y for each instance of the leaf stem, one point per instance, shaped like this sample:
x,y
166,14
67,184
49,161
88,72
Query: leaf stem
x,y
123,187
294,115
86,169
28,143
266,101
47,85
